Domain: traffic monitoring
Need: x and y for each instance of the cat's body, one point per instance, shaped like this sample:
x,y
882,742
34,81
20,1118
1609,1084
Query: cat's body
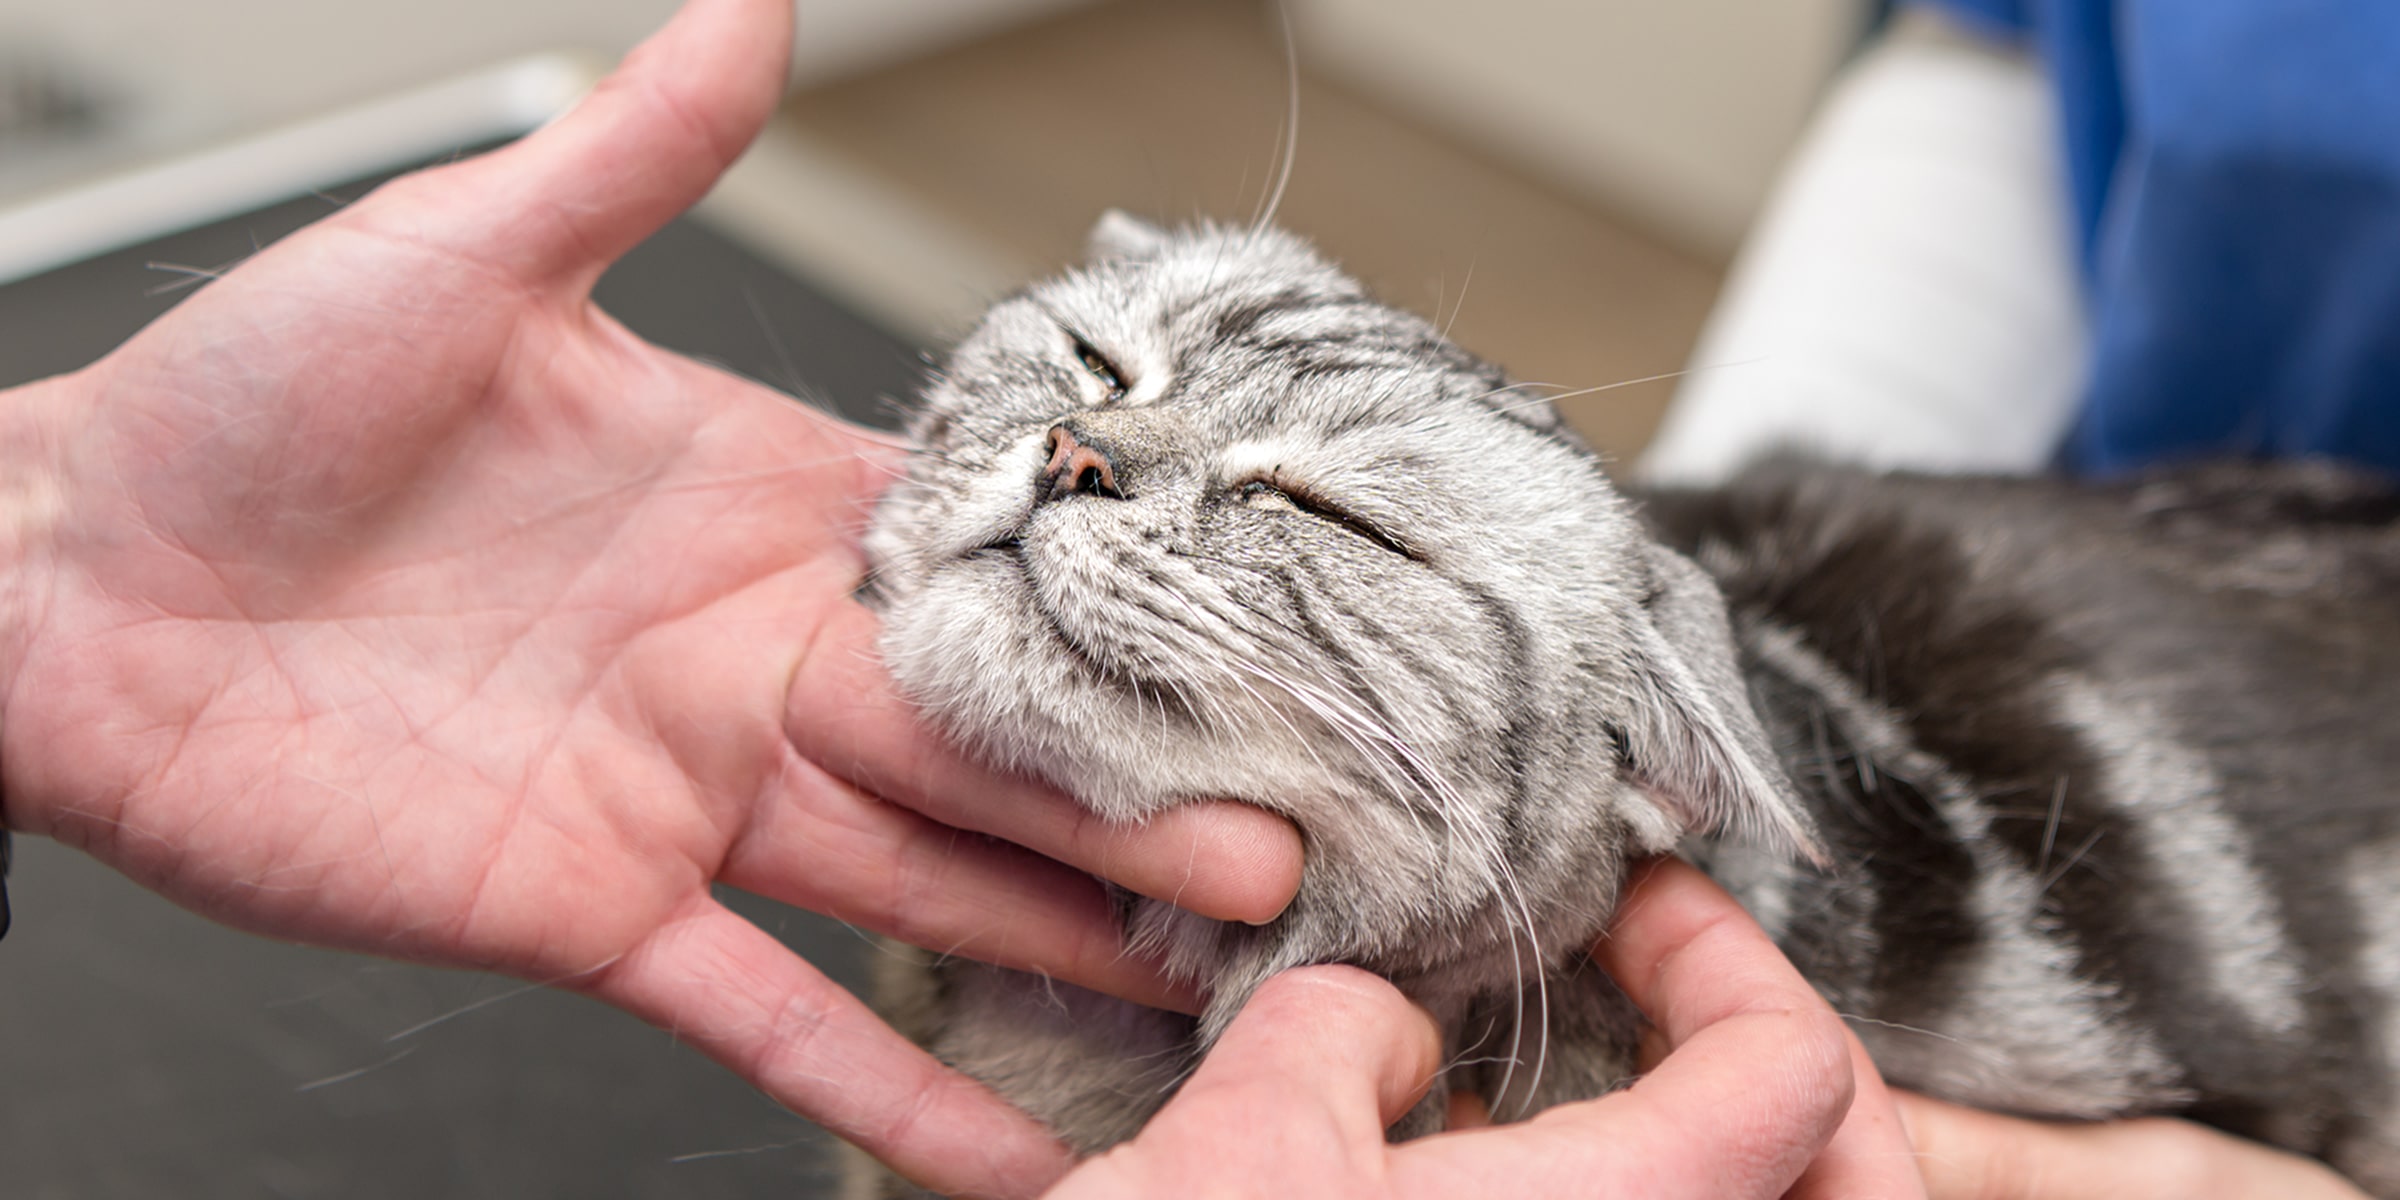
x,y
2112,774
2077,802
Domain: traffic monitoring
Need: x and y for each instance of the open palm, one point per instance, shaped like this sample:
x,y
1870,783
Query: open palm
x,y
389,595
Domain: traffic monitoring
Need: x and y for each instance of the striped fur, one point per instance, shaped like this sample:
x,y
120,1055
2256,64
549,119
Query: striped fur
x,y
2072,801
2114,771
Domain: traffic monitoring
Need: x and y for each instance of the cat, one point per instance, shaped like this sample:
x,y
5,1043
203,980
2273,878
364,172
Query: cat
x,y
2076,801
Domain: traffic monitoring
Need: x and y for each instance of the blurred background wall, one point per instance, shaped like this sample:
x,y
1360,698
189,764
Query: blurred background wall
x,y
168,74
1557,181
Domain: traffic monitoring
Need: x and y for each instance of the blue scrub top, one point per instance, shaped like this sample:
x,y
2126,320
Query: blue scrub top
x,y
2235,167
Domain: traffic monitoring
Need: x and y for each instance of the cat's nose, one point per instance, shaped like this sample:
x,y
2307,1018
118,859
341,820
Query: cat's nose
x,y
1077,465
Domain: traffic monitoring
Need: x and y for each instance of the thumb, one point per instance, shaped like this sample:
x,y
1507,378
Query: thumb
x,y
647,143
1336,1039
1307,1077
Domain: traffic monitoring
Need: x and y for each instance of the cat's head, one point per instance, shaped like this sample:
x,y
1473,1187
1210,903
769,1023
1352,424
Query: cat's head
x,y
1203,520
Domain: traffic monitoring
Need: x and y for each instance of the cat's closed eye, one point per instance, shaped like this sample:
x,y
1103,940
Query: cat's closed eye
x,y
1291,496
1111,380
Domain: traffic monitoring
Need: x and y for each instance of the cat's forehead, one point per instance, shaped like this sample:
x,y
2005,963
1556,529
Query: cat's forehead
x,y
1250,332
1218,308
1205,287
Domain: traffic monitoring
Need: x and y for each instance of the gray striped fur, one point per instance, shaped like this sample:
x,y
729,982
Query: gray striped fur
x,y
2077,803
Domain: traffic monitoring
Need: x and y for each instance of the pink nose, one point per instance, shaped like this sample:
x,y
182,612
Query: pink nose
x,y
1077,467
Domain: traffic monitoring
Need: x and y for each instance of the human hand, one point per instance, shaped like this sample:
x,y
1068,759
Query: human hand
x,y
1753,1099
388,595
1970,1155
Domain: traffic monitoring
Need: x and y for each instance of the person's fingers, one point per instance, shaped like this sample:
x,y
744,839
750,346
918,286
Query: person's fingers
x,y
1334,1038
1313,1069
1758,1081
711,691
1759,1062
1227,861
1969,1155
646,144
720,983
1870,1154
825,846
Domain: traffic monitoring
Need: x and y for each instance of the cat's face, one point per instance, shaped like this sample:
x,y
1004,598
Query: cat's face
x,y
1201,520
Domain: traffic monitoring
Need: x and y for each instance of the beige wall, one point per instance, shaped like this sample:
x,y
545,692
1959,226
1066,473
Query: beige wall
x,y
195,69
1674,112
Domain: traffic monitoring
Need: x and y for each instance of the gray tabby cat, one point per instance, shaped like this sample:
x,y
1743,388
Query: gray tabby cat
x,y
2077,801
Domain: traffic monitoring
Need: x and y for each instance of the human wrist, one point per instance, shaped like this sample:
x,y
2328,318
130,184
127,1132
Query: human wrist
x,y
34,423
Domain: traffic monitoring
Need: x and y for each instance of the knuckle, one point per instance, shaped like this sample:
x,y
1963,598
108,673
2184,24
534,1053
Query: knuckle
x,y
1817,1053
790,1036
905,897
920,1103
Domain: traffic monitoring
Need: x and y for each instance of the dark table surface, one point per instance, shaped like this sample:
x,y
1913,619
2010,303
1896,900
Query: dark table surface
x,y
145,1052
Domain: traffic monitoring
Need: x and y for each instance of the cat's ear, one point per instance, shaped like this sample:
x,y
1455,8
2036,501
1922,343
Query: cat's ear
x,y
1120,234
1691,741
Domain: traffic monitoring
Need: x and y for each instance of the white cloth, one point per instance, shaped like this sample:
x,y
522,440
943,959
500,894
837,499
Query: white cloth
x,y
1910,297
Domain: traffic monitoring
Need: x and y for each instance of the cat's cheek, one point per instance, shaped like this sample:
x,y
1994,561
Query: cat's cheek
x,y
976,657
951,650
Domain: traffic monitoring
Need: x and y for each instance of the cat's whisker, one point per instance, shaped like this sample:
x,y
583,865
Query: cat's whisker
x,y
948,460
739,1151
1333,717
189,276
1516,1032
1276,711
1058,1004
1864,1019
355,1072
898,406
1541,986
1471,1060
484,1002
1512,895
1375,743
1513,907
878,464
1626,383
2058,809
2045,883
1210,654
1289,142
1520,383
787,470
792,383
1461,306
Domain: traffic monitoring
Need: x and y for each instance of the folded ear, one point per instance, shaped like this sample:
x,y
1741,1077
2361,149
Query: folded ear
x,y
1691,740
1120,234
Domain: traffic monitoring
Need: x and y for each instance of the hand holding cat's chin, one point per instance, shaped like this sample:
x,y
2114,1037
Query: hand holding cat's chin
x,y
1229,862
1761,1093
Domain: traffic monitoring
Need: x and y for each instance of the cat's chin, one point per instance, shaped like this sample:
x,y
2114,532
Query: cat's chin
x,y
988,668
1230,961
972,648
